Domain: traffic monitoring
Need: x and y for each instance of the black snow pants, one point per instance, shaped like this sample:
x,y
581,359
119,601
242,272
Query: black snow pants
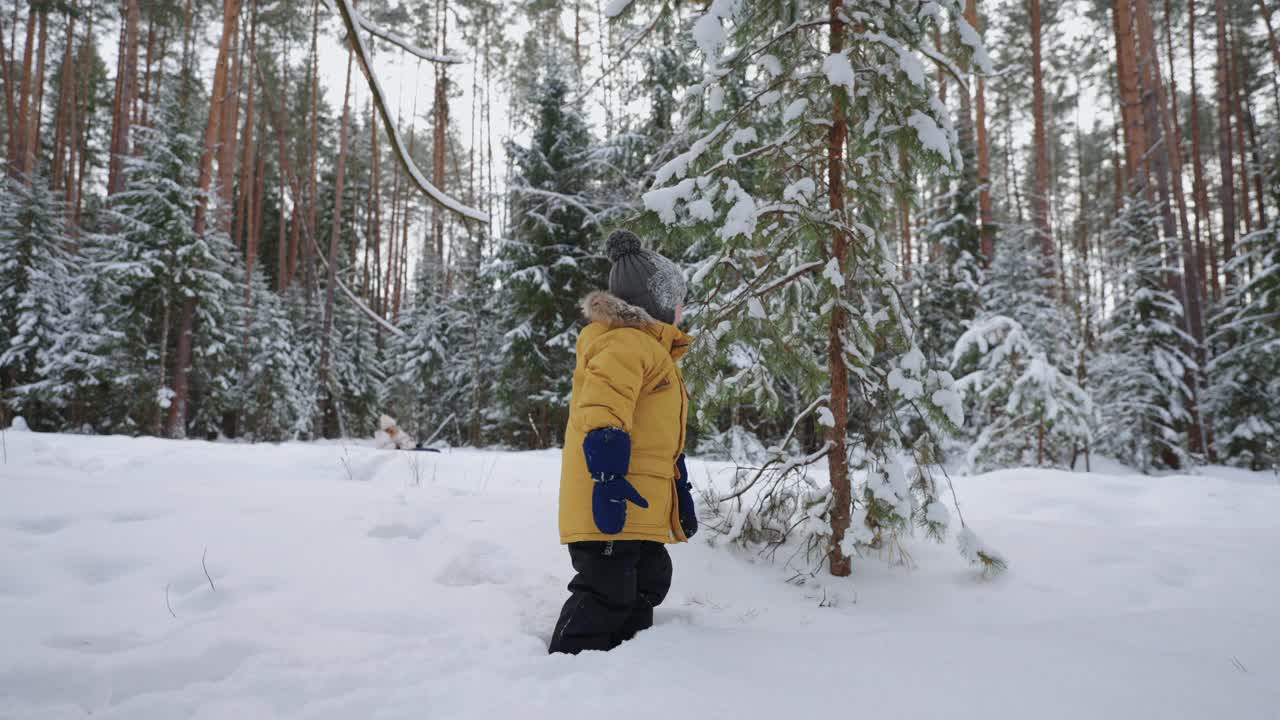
x,y
618,585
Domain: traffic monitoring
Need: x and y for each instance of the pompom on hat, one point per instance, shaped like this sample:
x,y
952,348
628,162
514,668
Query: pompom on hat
x,y
643,277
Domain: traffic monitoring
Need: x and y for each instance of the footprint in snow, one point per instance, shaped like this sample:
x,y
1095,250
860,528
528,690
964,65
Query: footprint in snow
x,y
482,563
99,569
410,530
46,525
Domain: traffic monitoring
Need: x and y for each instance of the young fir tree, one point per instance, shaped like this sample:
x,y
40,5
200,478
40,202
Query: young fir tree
x,y
277,388
547,264
1245,372
1139,375
1015,362
36,276
416,361
947,284
154,261
81,366
796,169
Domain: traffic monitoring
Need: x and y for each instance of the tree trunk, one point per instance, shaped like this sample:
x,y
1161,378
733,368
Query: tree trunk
x,y
18,132
10,102
1237,79
985,212
1041,139
308,263
176,424
1130,98
1227,194
335,232
439,148
229,106
1200,188
248,162
1163,157
141,115
66,104
837,456
31,145
128,87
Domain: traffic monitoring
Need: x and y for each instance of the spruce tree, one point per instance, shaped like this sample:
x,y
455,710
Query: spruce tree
x,y
36,276
1014,365
547,265
1139,375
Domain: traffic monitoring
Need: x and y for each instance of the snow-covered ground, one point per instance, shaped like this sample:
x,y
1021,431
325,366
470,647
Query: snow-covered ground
x,y
347,582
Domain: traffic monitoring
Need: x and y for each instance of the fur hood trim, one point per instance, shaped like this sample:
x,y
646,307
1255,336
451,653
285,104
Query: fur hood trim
x,y
609,309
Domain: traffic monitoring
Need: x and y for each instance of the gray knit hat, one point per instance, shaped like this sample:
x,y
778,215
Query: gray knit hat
x,y
643,277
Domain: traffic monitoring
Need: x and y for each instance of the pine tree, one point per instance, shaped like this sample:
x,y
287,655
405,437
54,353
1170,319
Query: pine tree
x,y
548,265
36,274
803,229
1140,374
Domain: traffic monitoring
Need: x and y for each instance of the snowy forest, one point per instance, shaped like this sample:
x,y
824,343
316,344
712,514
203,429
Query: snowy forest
x,y
1003,233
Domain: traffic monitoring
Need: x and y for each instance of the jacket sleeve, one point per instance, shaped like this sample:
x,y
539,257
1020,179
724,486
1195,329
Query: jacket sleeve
x,y
612,378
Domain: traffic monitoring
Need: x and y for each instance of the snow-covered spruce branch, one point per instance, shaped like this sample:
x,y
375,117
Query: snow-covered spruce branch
x,y
557,196
403,42
393,133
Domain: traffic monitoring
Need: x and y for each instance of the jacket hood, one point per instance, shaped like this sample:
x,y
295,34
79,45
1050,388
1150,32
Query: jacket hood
x,y
609,309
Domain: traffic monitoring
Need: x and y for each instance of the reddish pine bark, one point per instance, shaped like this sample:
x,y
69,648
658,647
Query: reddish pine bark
x,y
127,87
985,211
1226,151
837,457
1041,140
1130,99
175,424
1200,188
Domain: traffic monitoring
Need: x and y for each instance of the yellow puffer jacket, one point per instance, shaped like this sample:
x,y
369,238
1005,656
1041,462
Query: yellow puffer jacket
x,y
626,378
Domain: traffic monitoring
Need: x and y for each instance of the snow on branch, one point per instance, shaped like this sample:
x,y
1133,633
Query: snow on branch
x,y
351,19
557,196
402,42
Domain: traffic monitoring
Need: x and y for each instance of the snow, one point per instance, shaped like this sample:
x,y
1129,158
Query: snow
x,y
709,34
771,64
794,110
715,99
800,191
616,8
348,582
832,273
663,200
931,136
838,70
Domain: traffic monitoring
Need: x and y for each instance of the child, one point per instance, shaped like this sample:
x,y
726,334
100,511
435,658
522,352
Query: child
x,y
624,490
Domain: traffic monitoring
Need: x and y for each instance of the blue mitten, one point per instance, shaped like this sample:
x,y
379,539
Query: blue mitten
x,y
608,453
684,493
